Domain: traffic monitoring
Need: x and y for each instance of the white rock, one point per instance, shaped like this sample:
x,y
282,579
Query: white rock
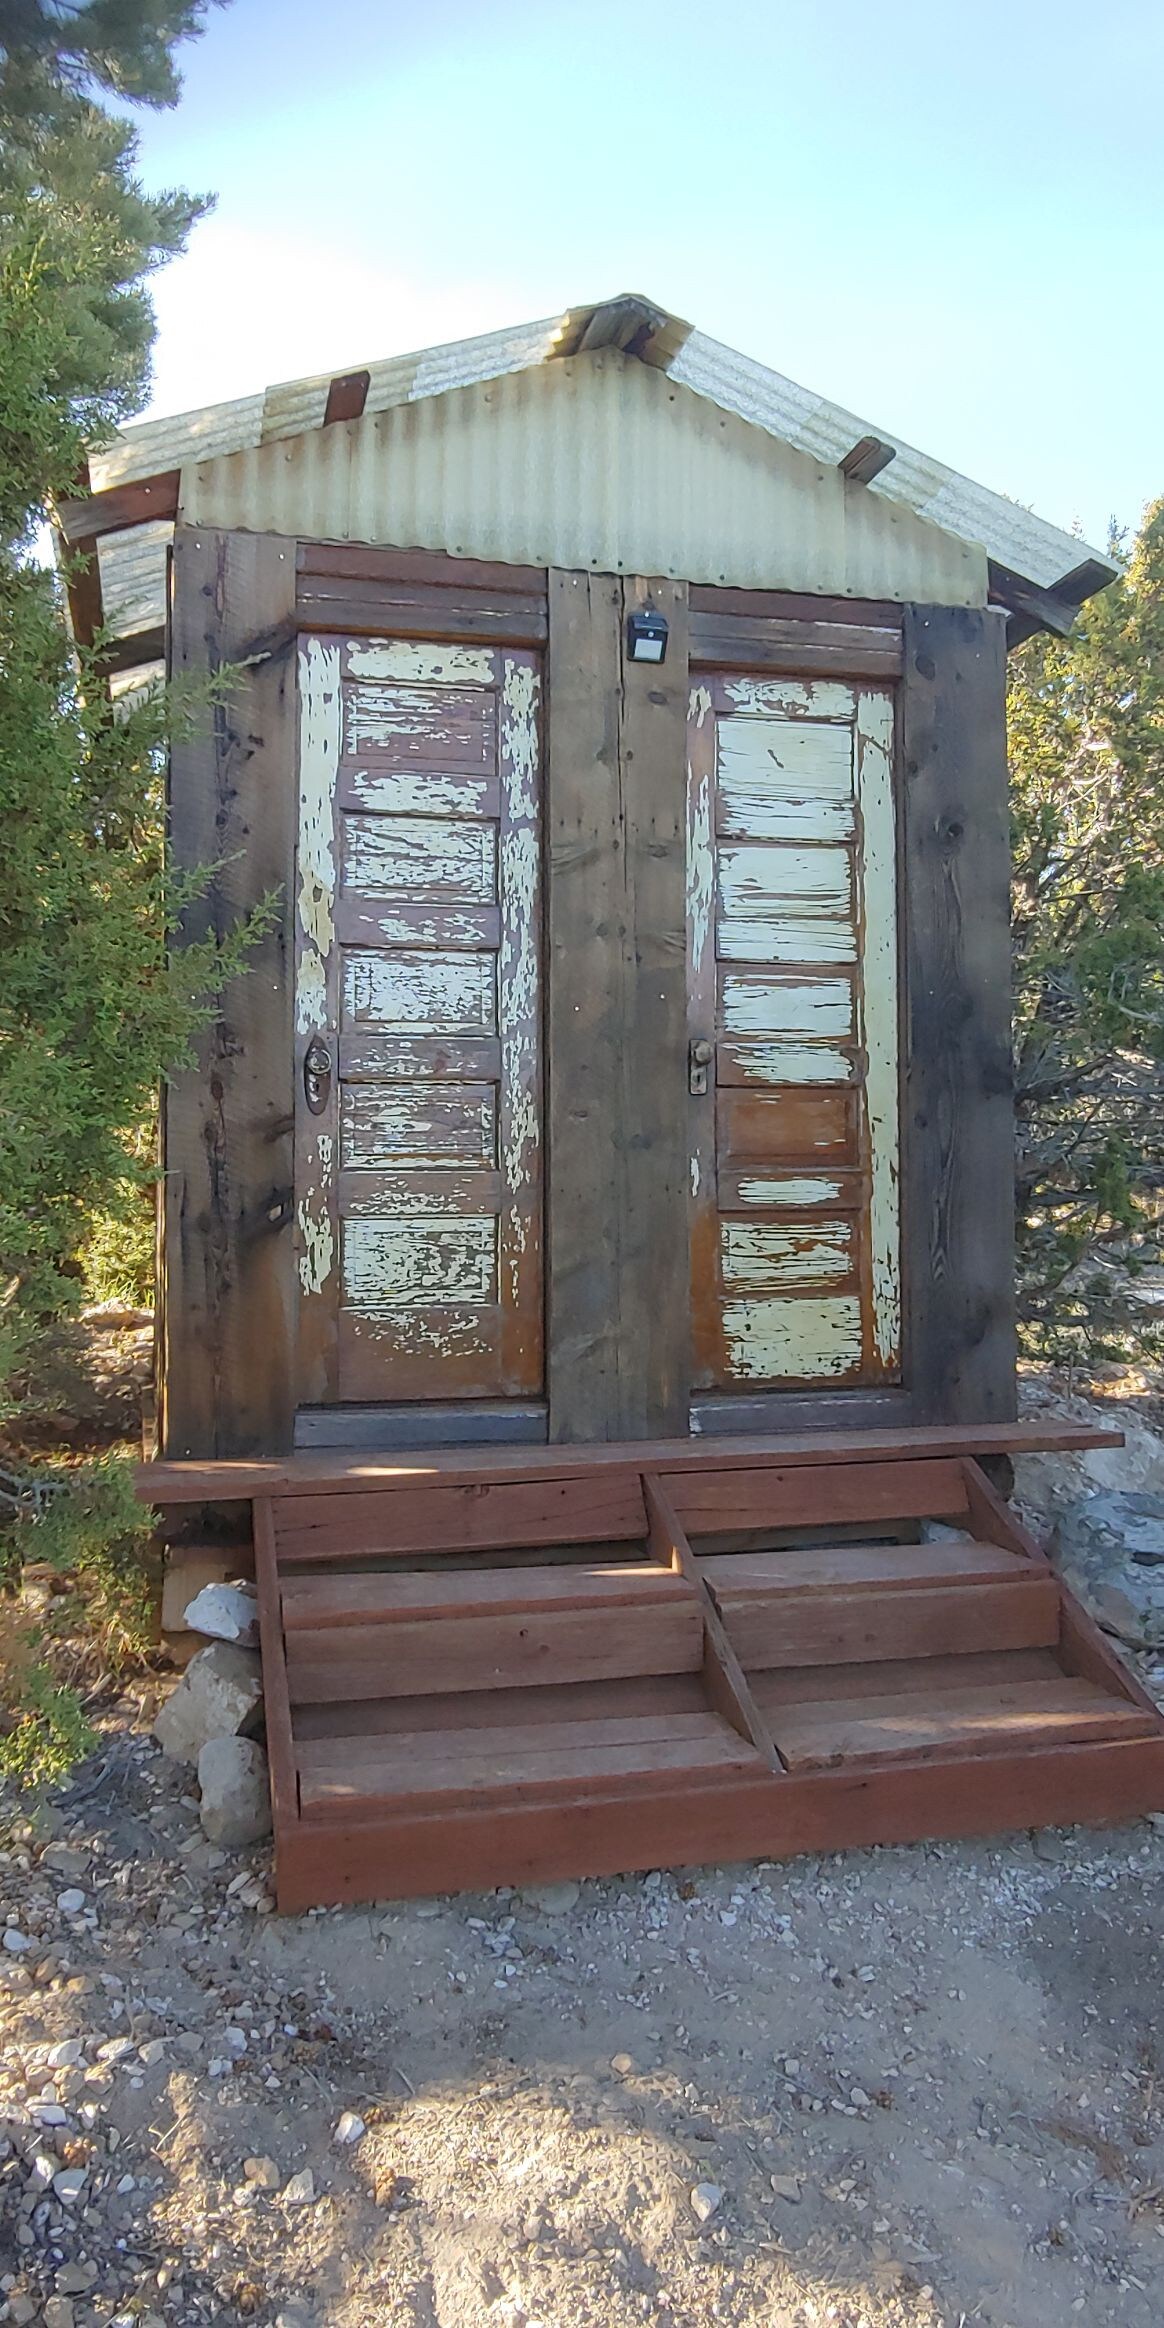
x,y
622,2064
786,2186
16,1942
225,1612
706,2200
236,1798
67,2054
69,2184
219,1696
300,2191
349,2128
70,1902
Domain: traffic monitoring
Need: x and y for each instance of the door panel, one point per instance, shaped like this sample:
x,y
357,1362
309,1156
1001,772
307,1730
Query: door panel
x,y
793,985
418,1157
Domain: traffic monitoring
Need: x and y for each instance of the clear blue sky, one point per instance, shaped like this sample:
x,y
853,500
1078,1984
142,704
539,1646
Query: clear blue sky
x,y
948,217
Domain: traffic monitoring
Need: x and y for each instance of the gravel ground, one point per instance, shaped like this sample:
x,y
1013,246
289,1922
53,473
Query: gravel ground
x,y
915,2087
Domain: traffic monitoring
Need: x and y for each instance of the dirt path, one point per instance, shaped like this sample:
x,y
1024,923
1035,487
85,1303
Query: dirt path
x,y
951,2054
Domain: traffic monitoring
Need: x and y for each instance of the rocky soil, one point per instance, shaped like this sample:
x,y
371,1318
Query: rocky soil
x,y
899,2089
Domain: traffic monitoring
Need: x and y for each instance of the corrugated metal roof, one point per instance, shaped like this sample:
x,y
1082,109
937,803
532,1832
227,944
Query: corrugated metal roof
x,y
598,462
1011,536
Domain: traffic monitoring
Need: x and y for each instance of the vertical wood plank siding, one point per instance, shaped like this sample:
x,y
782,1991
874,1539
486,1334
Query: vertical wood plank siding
x,y
227,1361
617,1233
958,1159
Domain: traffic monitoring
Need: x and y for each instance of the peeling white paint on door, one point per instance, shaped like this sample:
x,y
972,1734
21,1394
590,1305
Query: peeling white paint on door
x,y
793,1339
792,698
421,994
878,874
518,960
757,1257
767,1063
420,792
432,724
384,1124
420,665
319,752
780,779
424,858
762,879
313,1220
786,1006
426,1260
788,937
789,1190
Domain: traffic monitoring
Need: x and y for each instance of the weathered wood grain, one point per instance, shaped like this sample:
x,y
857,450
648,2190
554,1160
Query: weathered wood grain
x,y
229,1298
958,1133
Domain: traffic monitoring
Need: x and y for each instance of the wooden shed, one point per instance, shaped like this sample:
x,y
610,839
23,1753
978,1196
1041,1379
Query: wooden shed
x,y
621,729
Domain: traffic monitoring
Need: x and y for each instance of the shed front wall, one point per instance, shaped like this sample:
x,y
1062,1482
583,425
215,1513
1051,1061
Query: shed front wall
x,y
615,1131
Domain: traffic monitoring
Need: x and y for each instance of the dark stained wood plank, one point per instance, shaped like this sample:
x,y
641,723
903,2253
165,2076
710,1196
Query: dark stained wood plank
x,y
655,1294
795,606
1034,1713
346,396
857,1627
524,1764
958,1119
584,918
724,1678
311,1603
803,1123
797,1685
337,1474
827,1568
502,1650
553,1703
944,1797
361,562
138,503
617,1278
740,642
276,1700
709,1499
730,1414
434,614
473,1518
230,1293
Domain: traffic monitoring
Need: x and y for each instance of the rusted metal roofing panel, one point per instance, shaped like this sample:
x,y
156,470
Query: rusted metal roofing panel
x,y
598,461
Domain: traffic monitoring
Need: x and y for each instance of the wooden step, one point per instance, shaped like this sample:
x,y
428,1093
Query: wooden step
x,y
740,1576
797,1685
419,1635
529,1762
385,1597
478,1516
820,1734
853,1604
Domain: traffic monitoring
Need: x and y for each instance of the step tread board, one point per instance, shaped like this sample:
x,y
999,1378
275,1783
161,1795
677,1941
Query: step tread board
x,y
415,1771
498,1709
818,1735
860,1626
795,1685
737,1577
310,1602
497,1649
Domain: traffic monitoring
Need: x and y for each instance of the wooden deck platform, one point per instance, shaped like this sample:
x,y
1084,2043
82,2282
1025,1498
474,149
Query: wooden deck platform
x,y
530,1664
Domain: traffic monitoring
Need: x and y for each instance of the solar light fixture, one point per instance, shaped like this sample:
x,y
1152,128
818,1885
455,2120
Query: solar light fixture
x,y
646,635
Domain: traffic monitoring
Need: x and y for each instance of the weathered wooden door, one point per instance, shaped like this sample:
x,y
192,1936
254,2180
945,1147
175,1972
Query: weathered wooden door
x,y
792,955
418,1068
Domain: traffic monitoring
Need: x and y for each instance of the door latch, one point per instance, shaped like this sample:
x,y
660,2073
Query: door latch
x,y
317,1075
699,1057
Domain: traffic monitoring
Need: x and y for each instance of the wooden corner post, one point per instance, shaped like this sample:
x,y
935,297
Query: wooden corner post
x,y
226,1362
958,1116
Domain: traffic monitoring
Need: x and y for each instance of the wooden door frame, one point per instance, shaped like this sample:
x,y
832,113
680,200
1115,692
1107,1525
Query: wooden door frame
x,y
619,1329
